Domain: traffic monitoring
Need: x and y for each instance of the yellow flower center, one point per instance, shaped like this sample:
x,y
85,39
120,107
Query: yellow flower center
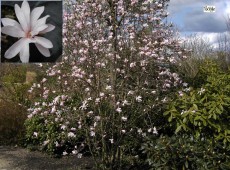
x,y
28,35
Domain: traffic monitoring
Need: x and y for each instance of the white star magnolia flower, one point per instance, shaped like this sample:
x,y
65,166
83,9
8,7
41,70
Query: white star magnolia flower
x,y
27,29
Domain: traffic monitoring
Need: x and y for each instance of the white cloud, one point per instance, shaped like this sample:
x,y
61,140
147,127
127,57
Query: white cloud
x,y
189,15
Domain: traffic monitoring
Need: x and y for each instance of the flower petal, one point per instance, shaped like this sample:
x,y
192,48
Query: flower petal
x,y
15,48
26,10
21,18
13,31
41,21
48,29
10,22
35,14
38,29
25,53
44,51
44,42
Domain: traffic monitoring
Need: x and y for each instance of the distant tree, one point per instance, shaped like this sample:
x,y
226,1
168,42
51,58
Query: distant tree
x,y
224,44
199,45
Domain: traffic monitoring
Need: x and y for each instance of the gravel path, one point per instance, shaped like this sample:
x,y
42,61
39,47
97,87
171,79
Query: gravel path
x,y
12,158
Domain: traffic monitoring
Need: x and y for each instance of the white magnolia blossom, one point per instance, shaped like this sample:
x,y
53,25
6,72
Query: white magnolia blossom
x,y
79,155
92,133
118,110
71,135
64,153
123,118
139,99
111,141
36,134
28,30
202,90
74,152
46,142
155,131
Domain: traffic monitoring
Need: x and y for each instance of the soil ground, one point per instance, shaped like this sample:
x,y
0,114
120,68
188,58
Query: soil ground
x,y
15,158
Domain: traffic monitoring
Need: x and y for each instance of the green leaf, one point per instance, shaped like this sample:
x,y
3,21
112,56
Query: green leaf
x,y
197,135
195,106
214,116
186,164
218,110
170,118
195,123
178,129
166,113
197,118
184,127
185,120
204,122
221,108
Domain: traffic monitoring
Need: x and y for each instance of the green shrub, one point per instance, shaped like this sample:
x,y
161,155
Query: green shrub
x,y
13,73
12,117
13,93
14,89
203,111
184,152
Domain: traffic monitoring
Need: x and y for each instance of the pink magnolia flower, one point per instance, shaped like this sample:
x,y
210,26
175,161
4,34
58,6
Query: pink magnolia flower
x,y
28,29
155,131
123,118
139,99
111,141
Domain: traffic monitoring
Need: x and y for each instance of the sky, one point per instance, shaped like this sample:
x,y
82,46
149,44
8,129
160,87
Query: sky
x,y
189,18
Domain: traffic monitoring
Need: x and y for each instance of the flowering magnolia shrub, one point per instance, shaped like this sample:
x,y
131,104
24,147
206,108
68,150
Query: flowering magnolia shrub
x,y
110,89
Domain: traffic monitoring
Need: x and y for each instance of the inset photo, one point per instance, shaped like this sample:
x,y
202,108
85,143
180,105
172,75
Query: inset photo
x,y
31,31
